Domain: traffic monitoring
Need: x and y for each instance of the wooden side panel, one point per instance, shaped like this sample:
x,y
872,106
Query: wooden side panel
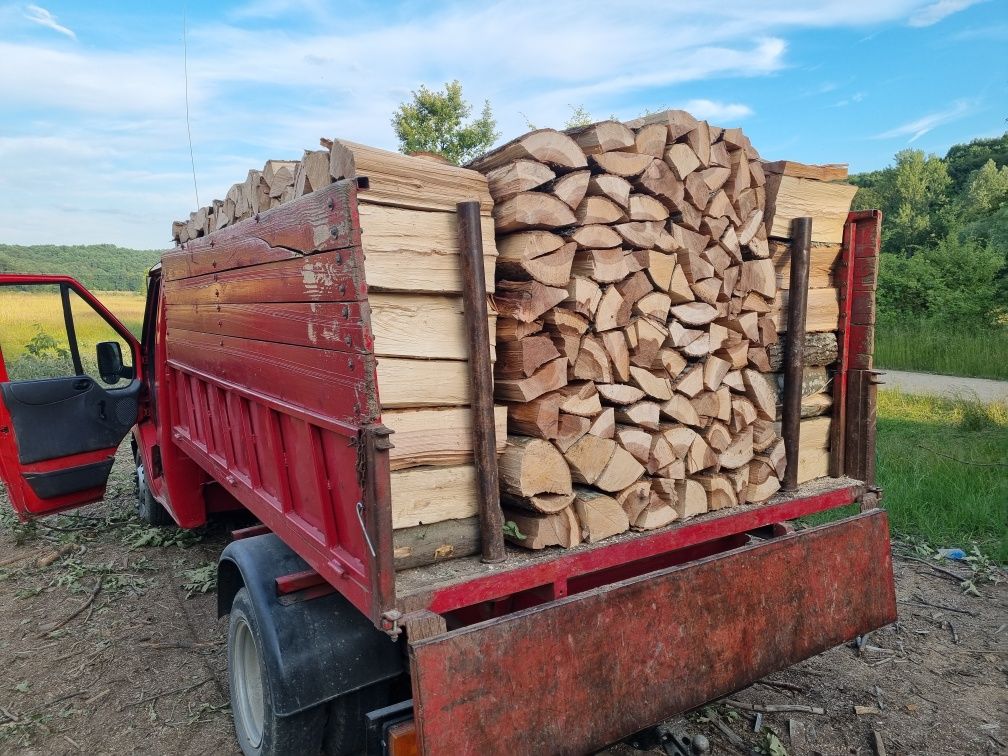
x,y
318,222
323,277
271,364
822,313
311,378
320,325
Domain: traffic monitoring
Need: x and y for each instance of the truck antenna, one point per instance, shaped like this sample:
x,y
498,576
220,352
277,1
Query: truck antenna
x,y
185,69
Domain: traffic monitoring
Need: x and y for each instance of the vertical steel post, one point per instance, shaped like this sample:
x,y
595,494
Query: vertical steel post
x,y
794,348
470,238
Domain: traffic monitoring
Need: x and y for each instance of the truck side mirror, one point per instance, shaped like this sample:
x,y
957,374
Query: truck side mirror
x,y
110,361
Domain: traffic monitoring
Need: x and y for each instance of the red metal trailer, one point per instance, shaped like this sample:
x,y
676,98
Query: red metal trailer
x,y
254,387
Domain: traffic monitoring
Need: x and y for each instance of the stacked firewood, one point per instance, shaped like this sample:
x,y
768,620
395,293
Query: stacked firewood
x,y
635,292
821,193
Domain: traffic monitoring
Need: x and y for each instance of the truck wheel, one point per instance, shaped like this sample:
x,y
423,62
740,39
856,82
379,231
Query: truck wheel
x,y
260,731
148,509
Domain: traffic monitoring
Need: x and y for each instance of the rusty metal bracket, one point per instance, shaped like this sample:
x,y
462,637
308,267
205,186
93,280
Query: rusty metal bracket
x,y
871,499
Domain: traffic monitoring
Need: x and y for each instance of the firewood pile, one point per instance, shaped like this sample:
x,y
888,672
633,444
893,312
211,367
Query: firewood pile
x,y
639,272
635,294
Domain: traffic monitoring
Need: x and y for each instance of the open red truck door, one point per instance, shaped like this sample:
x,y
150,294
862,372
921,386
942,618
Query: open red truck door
x,y
69,392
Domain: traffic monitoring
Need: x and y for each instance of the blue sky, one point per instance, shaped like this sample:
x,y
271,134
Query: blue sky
x,y
93,137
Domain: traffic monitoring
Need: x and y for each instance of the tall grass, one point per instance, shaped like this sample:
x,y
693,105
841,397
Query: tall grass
x,y
931,347
33,336
943,465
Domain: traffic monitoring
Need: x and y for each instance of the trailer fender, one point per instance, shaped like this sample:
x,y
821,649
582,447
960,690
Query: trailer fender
x,y
314,650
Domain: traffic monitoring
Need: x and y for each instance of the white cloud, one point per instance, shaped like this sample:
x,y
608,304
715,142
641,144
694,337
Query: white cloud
x,y
105,126
935,12
42,17
709,110
853,99
918,128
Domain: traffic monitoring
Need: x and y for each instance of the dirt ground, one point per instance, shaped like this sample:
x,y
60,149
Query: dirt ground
x,y
109,644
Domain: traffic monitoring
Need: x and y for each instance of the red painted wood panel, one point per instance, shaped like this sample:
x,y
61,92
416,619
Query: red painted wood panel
x,y
321,325
323,381
326,277
609,662
318,222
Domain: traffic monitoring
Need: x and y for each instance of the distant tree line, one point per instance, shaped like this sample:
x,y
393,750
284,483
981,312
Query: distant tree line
x,y
944,234
102,267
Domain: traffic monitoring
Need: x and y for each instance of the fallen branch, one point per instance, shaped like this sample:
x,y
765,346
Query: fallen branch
x,y
773,708
941,570
78,611
922,603
962,461
781,685
725,730
156,696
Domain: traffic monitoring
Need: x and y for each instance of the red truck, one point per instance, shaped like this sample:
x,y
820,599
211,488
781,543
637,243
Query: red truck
x,y
329,648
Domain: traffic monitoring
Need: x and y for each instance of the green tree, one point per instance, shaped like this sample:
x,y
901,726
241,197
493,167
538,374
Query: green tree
x,y
434,122
987,191
955,281
963,159
101,267
912,195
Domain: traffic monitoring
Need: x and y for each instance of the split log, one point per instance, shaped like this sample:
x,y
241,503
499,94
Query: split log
x,y
588,457
569,188
720,491
531,466
620,472
550,377
600,516
552,269
520,359
539,531
643,413
531,210
615,188
594,236
517,177
624,164
526,300
604,136
691,499
543,145
542,503
538,417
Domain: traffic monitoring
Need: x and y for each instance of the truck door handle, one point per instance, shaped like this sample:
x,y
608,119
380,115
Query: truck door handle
x,y
101,410
82,384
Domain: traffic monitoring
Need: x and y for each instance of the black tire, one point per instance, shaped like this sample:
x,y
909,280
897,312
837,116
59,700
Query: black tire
x,y
259,730
148,509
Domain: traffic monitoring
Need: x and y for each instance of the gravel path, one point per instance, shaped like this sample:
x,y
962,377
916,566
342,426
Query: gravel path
x,y
948,386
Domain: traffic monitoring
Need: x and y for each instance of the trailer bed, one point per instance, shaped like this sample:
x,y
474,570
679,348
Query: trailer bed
x,y
457,583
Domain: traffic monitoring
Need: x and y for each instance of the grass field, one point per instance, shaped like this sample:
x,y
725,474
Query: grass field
x,y
943,467
929,348
33,335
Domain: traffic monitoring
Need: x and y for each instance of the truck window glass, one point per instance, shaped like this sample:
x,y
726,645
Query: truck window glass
x,y
33,335
36,343
92,329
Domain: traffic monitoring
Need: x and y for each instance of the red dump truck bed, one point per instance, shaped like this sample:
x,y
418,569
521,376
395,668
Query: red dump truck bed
x,y
260,391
